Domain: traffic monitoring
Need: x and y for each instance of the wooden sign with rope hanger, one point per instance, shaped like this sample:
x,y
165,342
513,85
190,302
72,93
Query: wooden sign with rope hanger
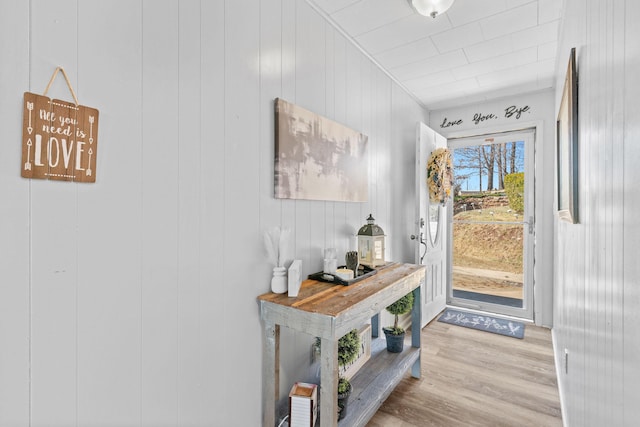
x,y
59,138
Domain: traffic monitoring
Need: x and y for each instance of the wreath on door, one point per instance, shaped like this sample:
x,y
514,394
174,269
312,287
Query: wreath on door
x,y
439,175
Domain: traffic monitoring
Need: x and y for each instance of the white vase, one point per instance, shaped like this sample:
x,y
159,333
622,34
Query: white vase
x,y
279,280
330,266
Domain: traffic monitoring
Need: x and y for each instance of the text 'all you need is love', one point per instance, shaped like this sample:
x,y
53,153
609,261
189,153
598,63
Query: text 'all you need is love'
x,y
59,140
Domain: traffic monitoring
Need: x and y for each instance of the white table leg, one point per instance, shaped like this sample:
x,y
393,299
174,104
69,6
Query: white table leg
x,y
416,321
328,383
270,372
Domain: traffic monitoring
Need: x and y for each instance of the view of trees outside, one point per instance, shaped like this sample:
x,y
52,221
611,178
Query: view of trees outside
x,y
483,167
488,214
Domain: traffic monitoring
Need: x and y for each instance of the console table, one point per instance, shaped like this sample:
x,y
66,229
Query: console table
x,y
329,311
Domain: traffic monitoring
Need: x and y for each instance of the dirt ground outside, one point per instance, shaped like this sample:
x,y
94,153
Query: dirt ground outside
x,y
487,255
488,282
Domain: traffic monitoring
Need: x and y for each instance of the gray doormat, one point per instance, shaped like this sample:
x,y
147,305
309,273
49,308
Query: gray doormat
x,y
481,322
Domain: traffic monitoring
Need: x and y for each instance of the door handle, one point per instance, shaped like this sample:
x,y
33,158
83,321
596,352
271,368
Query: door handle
x,y
531,224
422,242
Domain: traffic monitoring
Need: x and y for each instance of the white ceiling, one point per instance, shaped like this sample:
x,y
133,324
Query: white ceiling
x,y
477,50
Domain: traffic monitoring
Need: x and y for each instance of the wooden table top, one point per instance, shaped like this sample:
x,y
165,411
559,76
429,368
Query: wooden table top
x,y
331,299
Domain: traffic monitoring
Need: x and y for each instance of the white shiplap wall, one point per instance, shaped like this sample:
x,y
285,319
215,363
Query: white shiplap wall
x,y
131,301
597,297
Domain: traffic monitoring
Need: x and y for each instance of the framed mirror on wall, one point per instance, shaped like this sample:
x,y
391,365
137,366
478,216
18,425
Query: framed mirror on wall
x,y
567,146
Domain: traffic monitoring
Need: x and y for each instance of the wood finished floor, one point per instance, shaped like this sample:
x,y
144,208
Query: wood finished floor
x,y
476,378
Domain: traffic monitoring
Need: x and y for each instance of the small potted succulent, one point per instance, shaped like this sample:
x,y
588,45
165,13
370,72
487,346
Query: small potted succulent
x,y
395,334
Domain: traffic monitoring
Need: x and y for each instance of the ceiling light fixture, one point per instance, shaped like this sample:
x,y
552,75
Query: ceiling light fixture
x,y
431,8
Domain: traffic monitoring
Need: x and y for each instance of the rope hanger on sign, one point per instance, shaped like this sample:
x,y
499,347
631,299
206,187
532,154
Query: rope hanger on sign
x,y
53,77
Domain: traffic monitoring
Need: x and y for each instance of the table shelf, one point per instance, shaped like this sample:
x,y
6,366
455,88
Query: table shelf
x,y
376,380
329,311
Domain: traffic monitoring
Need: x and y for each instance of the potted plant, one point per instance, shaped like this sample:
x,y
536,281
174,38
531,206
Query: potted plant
x,y
344,391
395,334
348,346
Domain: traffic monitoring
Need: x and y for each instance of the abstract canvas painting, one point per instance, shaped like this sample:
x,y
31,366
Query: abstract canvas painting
x,y
317,158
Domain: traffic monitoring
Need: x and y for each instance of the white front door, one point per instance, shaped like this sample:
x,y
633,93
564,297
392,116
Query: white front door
x,y
430,229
